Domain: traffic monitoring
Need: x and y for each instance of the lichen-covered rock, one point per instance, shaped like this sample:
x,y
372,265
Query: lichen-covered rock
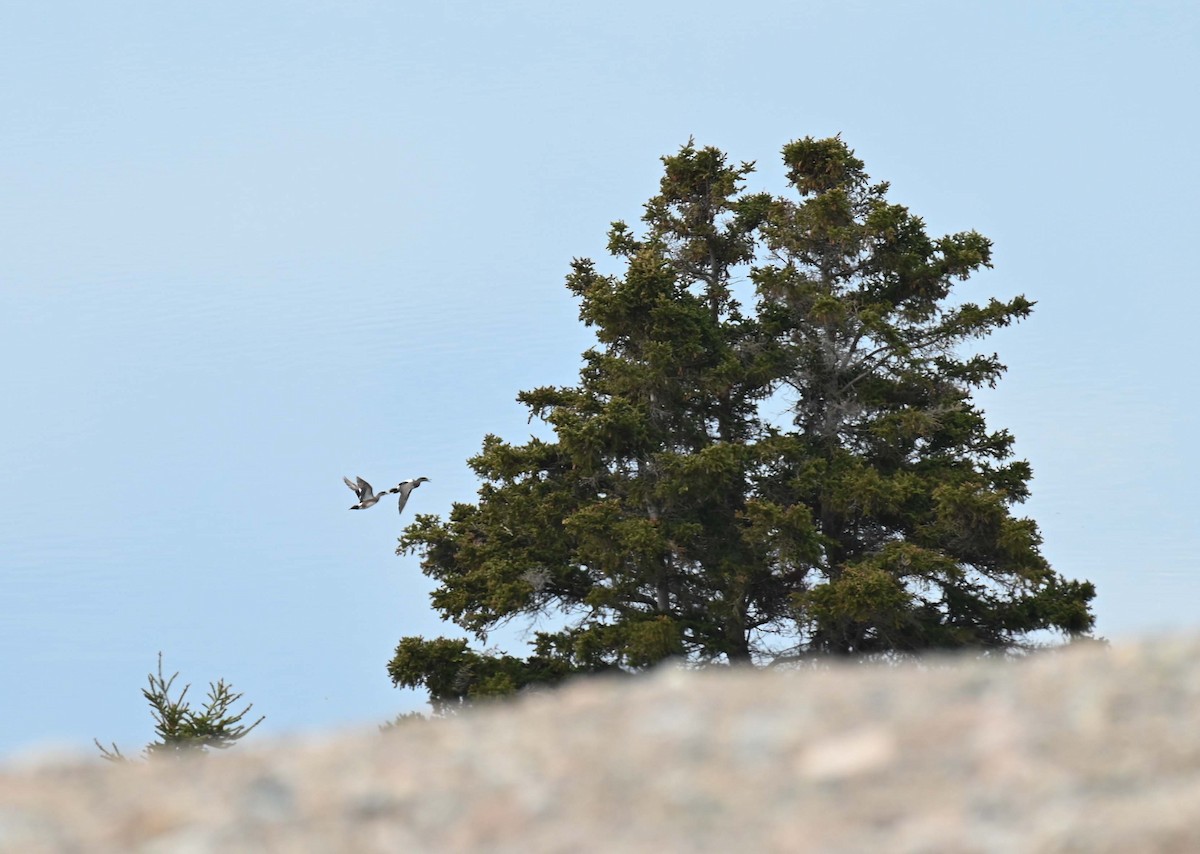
x,y
1090,749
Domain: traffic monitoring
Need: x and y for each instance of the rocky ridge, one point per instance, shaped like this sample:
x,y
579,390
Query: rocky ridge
x,y
1088,749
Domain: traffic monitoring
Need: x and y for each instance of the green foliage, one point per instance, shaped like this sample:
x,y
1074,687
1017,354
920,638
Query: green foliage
x,y
402,719
182,730
677,514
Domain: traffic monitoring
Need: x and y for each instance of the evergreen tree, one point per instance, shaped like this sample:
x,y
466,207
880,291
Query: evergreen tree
x,y
672,516
910,491
182,730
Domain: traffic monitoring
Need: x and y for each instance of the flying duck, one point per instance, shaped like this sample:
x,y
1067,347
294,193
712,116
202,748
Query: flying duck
x,y
366,496
405,489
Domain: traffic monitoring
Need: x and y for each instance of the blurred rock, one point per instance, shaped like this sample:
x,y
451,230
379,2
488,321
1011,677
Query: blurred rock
x,y
1088,749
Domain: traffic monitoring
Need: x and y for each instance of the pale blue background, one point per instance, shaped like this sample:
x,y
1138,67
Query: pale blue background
x,y
247,248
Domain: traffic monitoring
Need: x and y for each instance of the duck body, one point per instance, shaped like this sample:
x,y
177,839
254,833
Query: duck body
x,y
366,495
405,489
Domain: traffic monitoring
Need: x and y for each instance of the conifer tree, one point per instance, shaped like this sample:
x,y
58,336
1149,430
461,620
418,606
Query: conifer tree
x,y
675,514
182,730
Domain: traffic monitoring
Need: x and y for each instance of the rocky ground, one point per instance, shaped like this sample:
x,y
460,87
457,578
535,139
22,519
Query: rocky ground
x,y
1085,750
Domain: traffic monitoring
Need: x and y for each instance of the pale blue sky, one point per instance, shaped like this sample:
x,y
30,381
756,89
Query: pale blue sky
x,y
246,249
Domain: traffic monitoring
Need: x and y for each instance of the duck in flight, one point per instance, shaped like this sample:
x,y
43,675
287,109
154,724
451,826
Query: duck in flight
x,y
405,489
367,497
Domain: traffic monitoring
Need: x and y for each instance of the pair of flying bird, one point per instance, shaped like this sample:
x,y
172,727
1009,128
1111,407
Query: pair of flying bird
x,y
368,498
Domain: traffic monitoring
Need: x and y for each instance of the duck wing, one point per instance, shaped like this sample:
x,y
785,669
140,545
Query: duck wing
x,y
361,488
